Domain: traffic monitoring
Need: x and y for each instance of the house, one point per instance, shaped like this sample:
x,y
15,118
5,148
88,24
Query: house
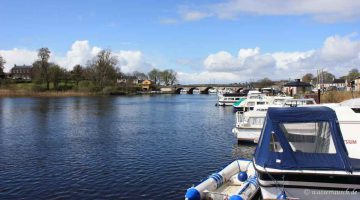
x,y
356,84
21,72
146,85
128,80
339,84
296,87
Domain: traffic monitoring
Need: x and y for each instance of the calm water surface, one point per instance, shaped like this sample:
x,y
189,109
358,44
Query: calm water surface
x,y
143,147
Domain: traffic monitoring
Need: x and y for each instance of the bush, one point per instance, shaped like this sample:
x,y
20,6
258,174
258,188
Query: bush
x,y
108,90
85,86
38,88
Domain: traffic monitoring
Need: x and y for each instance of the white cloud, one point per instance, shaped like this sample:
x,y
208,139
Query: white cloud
x,y
18,57
194,15
320,10
338,55
80,52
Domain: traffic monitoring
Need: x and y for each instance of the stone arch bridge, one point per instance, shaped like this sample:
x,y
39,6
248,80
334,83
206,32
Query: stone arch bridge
x,y
204,88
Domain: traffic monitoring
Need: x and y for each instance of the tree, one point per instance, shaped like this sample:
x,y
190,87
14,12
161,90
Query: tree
x,y
2,65
44,55
55,75
154,75
140,75
307,77
102,69
325,77
353,74
168,77
265,82
78,74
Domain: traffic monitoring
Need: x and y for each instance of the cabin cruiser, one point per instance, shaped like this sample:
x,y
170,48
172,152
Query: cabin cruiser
x,y
212,91
302,155
229,99
236,181
183,91
196,91
252,99
249,124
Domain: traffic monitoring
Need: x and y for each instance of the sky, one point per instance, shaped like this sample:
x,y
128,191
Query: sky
x,y
213,41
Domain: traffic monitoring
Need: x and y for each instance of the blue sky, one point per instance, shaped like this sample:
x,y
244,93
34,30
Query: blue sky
x,y
196,38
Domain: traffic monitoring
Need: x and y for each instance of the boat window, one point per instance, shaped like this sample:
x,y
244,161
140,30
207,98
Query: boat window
x,y
237,98
275,144
260,102
309,137
251,104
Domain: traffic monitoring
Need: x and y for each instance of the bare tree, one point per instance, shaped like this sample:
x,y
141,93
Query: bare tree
x,y
308,77
102,69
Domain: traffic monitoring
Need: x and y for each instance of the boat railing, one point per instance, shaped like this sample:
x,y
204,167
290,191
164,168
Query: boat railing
x,y
239,118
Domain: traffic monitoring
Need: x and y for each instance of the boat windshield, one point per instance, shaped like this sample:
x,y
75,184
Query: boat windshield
x,y
309,137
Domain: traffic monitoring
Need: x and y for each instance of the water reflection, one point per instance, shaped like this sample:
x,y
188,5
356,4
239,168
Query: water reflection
x,y
151,147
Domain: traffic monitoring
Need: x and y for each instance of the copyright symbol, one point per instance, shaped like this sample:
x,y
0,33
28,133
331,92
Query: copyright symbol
x,y
307,192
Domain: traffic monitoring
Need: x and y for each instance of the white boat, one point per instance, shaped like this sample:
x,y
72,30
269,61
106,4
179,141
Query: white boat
x,y
253,98
196,91
229,99
212,91
249,124
236,181
183,91
302,155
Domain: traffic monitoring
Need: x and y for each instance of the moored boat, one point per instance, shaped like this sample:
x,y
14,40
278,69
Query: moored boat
x,y
183,91
249,124
229,99
302,155
236,181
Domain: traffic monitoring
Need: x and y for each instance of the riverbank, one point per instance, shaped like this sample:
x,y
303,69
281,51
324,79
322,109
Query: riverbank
x,y
27,93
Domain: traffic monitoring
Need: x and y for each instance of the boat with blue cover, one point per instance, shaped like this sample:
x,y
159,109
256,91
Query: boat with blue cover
x,y
236,181
301,154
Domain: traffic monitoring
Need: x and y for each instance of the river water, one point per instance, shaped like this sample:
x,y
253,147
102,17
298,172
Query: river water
x,y
141,147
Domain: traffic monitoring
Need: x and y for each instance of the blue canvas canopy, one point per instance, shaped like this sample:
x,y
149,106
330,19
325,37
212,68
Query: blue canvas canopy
x,y
280,148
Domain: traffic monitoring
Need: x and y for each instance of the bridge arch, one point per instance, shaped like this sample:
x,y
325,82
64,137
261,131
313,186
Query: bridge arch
x,y
191,90
177,91
238,90
206,91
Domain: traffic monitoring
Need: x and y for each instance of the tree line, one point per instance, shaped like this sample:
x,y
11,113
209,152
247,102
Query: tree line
x,y
100,72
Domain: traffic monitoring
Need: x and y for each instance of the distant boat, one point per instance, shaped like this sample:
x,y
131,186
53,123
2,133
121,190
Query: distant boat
x,y
212,91
183,91
196,91
302,155
236,181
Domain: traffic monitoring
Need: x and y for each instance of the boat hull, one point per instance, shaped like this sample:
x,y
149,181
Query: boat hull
x,y
309,184
250,135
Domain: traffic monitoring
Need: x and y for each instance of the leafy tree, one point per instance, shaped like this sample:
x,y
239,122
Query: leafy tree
x,y
265,82
55,75
102,69
353,73
307,77
78,74
2,65
44,55
154,75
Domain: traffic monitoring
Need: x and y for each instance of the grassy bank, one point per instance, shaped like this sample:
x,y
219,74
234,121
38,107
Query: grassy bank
x,y
338,96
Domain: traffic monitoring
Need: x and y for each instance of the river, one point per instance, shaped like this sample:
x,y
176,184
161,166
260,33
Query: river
x,y
141,147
